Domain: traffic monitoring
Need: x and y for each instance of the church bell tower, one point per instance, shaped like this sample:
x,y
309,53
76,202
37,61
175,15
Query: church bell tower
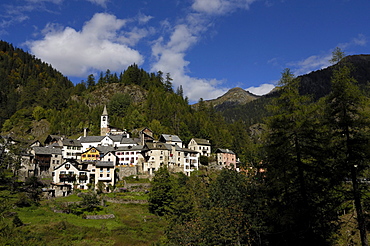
x,y
104,122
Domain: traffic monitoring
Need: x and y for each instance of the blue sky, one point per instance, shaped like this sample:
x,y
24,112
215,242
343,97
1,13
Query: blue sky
x,y
208,46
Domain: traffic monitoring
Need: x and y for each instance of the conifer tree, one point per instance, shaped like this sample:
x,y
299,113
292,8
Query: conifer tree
x,y
348,122
297,172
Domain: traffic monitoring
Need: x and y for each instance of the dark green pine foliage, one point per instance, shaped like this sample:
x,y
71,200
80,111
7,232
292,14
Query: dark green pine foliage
x,y
302,205
220,208
27,82
350,137
160,196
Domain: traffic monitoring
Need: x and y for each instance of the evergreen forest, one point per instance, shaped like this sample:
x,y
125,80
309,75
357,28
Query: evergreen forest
x,y
304,157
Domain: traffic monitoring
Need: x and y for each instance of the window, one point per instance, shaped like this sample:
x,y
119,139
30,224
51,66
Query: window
x,y
108,170
101,169
101,175
108,175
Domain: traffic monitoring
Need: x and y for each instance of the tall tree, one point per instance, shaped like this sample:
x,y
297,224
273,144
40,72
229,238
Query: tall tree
x,y
297,172
346,116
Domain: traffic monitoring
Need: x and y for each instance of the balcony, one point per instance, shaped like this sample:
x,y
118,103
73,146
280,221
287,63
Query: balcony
x,y
67,177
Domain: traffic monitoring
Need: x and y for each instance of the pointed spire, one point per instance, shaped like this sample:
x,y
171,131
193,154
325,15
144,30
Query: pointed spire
x,y
105,112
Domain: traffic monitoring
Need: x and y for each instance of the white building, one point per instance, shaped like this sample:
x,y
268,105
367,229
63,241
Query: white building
x,y
203,146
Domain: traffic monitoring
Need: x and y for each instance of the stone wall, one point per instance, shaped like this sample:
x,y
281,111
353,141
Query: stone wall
x,y
126,171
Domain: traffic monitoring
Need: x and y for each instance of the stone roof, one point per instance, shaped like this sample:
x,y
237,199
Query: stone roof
x,y
47,151
128,141
130,148
91,139
105,149
202,141
226,151
170,138
157,146
104,164
71,142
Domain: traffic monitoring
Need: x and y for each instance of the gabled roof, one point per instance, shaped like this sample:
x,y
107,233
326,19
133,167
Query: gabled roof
x,y
157,146
202,141
52,138
104,164
189,150
72,163
71,142
169,138
105,149
47,151
226,151
115,138
90,149
130,148
128,141
91,139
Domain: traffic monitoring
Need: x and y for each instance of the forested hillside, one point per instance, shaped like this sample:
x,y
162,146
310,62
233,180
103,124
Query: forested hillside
x,y
40,101
317,84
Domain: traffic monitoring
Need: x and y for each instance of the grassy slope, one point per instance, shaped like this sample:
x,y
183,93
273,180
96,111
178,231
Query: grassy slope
x,y
132,225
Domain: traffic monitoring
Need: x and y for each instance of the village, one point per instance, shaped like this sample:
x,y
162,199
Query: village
x,y
98,162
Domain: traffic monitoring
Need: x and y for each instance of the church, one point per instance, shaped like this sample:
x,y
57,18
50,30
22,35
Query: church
x,y
106,129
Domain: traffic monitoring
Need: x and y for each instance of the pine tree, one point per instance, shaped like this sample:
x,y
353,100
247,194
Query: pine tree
x,y
297,171
345,105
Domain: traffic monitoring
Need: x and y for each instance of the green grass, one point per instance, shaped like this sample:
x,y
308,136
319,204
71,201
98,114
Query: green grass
x,y
132,225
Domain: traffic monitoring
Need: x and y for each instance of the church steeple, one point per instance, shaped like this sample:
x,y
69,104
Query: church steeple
x,y
104,122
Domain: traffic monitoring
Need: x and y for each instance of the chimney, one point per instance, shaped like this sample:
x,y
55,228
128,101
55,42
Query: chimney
x,y
85,132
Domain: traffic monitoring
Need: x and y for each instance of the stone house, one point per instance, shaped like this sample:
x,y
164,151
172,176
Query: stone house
x,y
203,146
71,149
155,155
46,159
104,173
170,139
69,176
129,155
226,158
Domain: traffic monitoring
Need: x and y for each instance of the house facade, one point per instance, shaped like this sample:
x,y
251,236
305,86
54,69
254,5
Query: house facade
x,y
45,160
203,146
69,176
226,158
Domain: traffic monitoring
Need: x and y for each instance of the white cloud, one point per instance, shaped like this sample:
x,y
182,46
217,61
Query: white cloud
x,y
102,3
170,55
97,46
261,90
143,19
220,7
310,64
316,62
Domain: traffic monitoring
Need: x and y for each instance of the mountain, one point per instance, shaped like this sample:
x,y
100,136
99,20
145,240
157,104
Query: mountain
x,y
235,96
317,84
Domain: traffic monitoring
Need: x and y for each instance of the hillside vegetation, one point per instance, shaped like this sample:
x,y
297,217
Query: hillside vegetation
x,y
305,168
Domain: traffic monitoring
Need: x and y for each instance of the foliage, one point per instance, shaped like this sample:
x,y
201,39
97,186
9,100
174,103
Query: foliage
x,y
208,209
90,201
299,177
